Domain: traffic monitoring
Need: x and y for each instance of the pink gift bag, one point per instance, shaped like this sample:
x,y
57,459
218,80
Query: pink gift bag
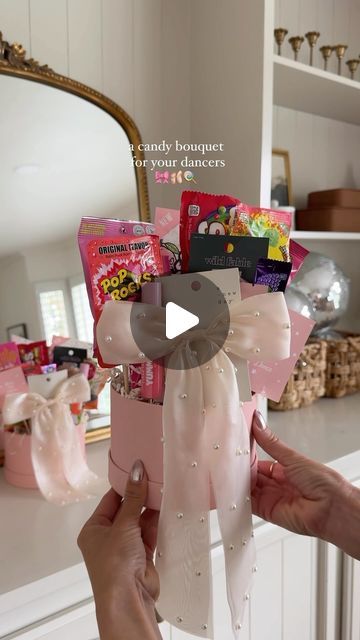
x,y
136,433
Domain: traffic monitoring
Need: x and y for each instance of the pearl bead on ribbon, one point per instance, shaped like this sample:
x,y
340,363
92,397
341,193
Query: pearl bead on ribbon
x,y
206,447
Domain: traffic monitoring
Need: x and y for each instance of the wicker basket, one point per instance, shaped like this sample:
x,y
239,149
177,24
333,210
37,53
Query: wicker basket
x,y
343,366
307,381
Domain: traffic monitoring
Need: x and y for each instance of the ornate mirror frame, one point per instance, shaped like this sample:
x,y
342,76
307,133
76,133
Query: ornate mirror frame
x,y
13,62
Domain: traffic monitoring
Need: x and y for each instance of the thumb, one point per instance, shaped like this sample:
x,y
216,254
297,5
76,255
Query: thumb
x,y
270,443
135,494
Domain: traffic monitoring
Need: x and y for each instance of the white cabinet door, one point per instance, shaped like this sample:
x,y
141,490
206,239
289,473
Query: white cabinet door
x,y
76,624
283,599
351,600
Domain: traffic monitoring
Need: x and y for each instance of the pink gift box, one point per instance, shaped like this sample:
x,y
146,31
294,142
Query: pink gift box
x,y
136,432
18,468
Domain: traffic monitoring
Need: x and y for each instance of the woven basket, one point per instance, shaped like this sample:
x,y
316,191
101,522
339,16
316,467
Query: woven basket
x,y
307,381
343,366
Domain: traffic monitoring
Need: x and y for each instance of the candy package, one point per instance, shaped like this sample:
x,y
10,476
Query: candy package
x,y
119,266
33,356
204,213
167,225
272,273
298,254
264,223
91,228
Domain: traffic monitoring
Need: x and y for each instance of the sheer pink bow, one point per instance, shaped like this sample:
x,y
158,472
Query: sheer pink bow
x,y
162,176
205,439
56,451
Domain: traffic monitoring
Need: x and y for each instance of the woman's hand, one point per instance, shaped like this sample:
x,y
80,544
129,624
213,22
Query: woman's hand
x,y
118,543
304,496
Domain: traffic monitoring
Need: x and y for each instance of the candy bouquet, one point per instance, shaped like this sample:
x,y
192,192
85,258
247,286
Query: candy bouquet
x,y
183,401
44,396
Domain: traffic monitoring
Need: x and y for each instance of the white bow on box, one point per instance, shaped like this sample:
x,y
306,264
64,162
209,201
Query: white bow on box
x,y
59,465
205,438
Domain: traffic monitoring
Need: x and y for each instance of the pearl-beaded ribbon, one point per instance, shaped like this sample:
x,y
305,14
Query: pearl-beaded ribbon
x,y
57,456
206,446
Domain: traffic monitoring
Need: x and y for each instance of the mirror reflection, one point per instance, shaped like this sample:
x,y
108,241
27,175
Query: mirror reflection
x,y
68,159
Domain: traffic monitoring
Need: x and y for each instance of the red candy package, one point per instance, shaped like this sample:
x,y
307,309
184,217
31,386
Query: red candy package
x,y
298,254
204,213
119,266
91,228
33,356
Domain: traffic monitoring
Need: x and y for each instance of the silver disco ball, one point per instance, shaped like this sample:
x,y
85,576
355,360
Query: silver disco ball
x,y
298,302
326,288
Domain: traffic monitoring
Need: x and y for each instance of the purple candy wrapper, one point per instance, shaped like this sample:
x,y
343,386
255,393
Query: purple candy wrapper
x,y
273,273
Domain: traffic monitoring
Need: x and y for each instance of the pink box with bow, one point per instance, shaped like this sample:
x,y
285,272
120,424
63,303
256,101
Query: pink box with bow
x,y
196,448
137,433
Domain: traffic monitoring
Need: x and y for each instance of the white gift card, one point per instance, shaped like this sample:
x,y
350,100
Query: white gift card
x,y
180,291
46,384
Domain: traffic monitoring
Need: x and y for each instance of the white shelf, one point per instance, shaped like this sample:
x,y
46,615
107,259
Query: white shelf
x,y
324,235
303,88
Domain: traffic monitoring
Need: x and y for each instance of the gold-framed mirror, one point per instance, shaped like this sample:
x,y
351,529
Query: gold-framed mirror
x,y
67,152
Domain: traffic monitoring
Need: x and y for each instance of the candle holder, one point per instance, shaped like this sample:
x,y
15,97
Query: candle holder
x,y
353,65
296,42
340,50
312,38
279,35
326,52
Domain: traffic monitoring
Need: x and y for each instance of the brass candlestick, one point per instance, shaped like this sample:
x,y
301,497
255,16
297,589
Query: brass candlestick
x,y
353,65
340,50
312,38
280,37
296,42
326,52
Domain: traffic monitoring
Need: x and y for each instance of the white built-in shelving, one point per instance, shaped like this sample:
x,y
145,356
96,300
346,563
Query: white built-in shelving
x,y
325,235
303,88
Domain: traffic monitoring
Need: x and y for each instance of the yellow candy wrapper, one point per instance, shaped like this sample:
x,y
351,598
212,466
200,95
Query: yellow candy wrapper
x,y
264,223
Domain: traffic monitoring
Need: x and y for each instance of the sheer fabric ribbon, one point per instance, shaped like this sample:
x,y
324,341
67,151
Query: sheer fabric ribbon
x,y
206,447
57,453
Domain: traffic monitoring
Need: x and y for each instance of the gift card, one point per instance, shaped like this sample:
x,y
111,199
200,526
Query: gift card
x,y
9,356
69,355
225,252
12,381
225,291
46,384
270,378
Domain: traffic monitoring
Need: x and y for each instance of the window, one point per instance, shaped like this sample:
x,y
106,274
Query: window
x,y
53,312
82,313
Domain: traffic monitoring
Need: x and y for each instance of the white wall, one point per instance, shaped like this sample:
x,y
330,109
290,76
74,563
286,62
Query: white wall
x,y
17,300
228,86
324,153
20,272
134,51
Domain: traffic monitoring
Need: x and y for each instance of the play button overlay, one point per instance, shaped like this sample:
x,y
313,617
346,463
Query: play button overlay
x,y
191,303
178,320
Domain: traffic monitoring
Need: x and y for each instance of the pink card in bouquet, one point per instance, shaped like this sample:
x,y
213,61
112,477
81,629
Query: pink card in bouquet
x,y
12,381
9,356
270,378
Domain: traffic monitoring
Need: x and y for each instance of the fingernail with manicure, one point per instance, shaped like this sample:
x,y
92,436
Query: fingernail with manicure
x,y
137,471
259,421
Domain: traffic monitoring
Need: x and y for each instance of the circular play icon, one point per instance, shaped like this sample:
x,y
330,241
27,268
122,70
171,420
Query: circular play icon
x,y
185,318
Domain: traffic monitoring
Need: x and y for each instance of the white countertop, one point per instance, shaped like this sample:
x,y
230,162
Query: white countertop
x,y
39,539
328,431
